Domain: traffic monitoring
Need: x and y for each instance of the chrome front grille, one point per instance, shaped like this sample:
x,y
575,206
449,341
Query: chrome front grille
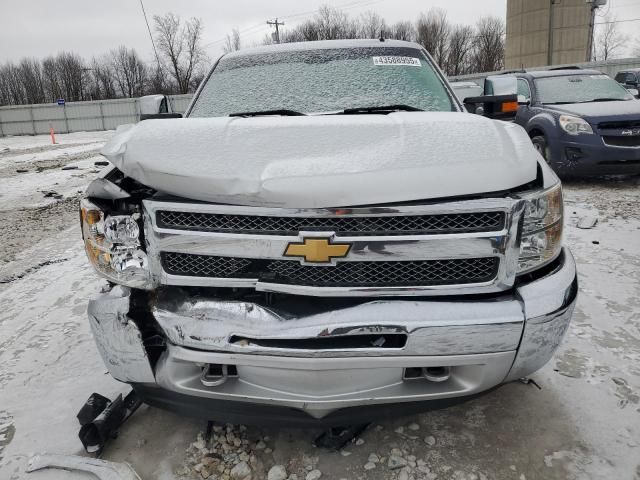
x,y
351,226
460,271
465,247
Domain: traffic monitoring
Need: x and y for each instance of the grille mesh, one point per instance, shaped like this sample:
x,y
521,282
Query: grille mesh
x,y
345,274
346,226
204,266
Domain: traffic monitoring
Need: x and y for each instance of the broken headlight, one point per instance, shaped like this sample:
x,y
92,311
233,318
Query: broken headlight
x,y
542,229
112,243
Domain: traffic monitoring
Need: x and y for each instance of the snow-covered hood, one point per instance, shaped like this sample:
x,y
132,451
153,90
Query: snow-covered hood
x,y
601,111
327,160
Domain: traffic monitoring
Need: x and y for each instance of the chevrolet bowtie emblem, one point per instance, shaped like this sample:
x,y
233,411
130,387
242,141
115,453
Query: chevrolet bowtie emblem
x,y
317,250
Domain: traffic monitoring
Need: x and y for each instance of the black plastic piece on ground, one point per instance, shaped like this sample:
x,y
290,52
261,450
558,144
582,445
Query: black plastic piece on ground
x,y
337,437
94,407
97,431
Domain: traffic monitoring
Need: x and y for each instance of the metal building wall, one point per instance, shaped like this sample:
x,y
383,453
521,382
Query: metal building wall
x,y
528,26
76,116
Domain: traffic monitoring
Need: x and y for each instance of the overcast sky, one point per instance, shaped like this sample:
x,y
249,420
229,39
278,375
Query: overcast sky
x,y
91,27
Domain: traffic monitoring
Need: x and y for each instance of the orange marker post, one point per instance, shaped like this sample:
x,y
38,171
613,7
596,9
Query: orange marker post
x,y
53,135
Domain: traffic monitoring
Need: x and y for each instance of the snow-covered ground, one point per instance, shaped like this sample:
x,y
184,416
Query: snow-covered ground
x,y
583,423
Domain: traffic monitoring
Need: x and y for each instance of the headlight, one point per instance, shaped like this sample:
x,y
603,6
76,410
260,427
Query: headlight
x,y
542,229
574,125
113,246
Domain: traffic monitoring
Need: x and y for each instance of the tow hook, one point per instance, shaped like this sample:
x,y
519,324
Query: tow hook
x,y
214,375
436,374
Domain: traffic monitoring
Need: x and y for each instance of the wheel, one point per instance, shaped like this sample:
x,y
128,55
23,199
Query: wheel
x,y
540,144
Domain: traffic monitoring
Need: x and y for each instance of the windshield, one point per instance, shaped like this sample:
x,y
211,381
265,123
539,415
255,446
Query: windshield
x,y
323,80
579,89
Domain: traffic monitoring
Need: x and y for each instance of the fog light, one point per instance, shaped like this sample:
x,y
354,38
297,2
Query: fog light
x,y
573,153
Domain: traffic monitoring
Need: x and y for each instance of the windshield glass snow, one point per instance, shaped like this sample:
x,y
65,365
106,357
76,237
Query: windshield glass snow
x,y
579,89
323,80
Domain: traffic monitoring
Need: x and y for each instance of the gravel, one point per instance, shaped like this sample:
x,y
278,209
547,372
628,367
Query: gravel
x,y
314,475
277,472
430,440
396,462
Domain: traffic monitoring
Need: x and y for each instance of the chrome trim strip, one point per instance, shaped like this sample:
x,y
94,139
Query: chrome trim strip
x,y
468,206
504,244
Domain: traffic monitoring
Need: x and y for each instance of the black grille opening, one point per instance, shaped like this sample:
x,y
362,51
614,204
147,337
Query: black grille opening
x,y
622,141
346,274
346,226
345,342
619,124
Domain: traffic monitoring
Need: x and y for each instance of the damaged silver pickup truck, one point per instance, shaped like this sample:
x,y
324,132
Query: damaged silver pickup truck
x,y
326,235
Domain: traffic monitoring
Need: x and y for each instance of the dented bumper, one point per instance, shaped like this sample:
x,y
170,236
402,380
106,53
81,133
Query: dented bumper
x,y
317,361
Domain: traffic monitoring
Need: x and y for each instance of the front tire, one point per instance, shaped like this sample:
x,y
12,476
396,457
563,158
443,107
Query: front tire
x,y
540,144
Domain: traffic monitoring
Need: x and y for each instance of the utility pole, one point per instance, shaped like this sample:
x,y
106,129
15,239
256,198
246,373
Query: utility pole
x,y
277,24
595,4
550,38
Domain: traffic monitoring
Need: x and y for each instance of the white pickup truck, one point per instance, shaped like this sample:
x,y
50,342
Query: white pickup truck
x,y
327,236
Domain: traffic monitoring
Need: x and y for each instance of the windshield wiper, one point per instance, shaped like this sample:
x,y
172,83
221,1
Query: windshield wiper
x,y
605,99
283,113
381,109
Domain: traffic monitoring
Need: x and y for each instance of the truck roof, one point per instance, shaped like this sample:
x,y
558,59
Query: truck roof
x,y
324,44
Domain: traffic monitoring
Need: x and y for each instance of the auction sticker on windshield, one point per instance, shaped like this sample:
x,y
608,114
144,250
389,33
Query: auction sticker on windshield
x,y
392,60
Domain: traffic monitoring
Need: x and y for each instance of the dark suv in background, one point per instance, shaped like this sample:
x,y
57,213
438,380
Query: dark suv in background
x,y
581,121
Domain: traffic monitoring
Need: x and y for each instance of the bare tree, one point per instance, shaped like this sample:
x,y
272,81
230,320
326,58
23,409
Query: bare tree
x,y
180,45
488,45
30,75
433,30
333,24
403,30
129,71
459,50
372,25
610,41
71,74
12,86
157,82
103,78
232,41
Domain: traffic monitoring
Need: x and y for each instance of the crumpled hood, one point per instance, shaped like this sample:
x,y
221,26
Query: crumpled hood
x,y
327,160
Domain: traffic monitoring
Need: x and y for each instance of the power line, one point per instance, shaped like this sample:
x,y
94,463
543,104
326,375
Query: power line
x,y
346,6
153,43
619,21
276,24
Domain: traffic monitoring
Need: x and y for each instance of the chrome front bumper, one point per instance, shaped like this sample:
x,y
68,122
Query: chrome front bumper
x,y
481,343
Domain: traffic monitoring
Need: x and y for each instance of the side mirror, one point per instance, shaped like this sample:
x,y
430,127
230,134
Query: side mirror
x,y
156,106
499,107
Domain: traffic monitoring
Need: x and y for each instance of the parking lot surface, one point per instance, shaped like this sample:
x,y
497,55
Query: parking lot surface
x,y
582,422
